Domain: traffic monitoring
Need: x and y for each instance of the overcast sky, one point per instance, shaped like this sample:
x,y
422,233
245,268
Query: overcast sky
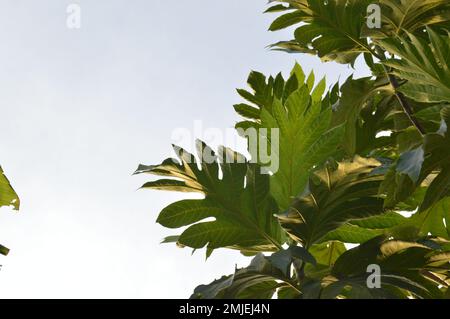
x,y
82,108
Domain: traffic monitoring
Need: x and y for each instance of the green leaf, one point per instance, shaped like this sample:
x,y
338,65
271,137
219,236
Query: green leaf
x,y
247,111
363,111
286,20
427,164
261,276
336,195
353,234
362,230
287,292
337,30
408,15
327,253
8,197
403,265
283,259
410,163
435,220
277,8
214,289
355,95
170,239
437,157
306,138
431,114
438,189
330,29
239,202
3,250
261,290
424,64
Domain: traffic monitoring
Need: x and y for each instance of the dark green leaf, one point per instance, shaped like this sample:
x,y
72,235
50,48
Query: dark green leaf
x,y
243,213
335,196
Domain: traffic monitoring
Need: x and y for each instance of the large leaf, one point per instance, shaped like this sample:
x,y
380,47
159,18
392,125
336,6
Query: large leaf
x,y
435,220
8,197
260,280
436,163
336,195
424,64
437,160
410,15
239,202
325,255
303,120
362,230
337,30
407,269
426,165
363,107
407,265
330,29
401,181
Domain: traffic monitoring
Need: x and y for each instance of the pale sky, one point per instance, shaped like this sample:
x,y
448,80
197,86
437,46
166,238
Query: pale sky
x,y
82,108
